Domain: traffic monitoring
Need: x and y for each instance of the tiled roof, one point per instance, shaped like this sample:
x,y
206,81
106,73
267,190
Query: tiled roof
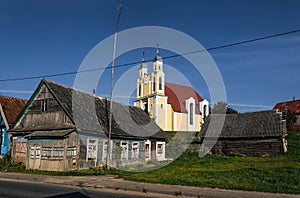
x,y
12,107
248,125
177,94
293,106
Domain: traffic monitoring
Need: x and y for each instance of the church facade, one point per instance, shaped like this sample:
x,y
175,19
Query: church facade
x,y
174,107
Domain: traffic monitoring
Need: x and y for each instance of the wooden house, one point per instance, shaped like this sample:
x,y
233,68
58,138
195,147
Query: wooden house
x,y
256,133
292,107
10,108
67,129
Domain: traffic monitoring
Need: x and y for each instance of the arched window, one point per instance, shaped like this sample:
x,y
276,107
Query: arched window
x,y
140,90
153,83
160,83
204,111
191,113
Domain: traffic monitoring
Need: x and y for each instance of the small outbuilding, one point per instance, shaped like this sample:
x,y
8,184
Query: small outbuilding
x,y
66,129
255,133
10,108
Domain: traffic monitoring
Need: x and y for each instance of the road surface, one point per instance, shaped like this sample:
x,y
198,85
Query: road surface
x,y
12,189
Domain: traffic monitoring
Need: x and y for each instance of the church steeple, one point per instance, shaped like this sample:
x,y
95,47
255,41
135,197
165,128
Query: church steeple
x,y
158,75
143,71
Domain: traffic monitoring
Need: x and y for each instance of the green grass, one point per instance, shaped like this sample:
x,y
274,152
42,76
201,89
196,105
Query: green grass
x,y
277,173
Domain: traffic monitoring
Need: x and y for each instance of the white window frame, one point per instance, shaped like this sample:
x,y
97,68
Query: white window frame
x,y
92,149
135,150
124,150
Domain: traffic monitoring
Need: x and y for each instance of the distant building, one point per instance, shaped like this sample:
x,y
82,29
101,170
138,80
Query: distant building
x,y
10,108
50,135
292,106
173,107
256,133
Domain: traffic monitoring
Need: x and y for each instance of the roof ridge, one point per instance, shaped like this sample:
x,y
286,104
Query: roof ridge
x,y
13,98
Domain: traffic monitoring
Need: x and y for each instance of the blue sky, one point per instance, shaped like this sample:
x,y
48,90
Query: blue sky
x,y
49,37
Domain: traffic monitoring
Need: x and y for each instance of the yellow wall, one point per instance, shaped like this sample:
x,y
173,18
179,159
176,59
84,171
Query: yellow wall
x,y
146,89
198,119
181,120
162,112
170,118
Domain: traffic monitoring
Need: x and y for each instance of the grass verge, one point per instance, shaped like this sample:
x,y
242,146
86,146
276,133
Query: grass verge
x,y
277,173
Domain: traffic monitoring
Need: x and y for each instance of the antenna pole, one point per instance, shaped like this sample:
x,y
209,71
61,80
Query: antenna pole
x,y
108,157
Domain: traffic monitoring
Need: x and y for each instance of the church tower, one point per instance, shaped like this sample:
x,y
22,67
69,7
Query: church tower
x,y
158,76
150,90
142,80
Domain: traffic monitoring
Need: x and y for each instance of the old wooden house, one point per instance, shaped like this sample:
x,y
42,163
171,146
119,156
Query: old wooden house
x,y
67,129
257,133
10,108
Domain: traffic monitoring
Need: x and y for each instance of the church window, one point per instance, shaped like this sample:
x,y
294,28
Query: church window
x,y
191,113
140,89
161,106
204,111
153,83
160,83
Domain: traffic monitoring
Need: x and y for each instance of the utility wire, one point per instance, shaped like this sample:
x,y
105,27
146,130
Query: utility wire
x,y
149,60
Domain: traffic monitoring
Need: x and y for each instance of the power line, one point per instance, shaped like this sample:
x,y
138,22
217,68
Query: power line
x,y
149,60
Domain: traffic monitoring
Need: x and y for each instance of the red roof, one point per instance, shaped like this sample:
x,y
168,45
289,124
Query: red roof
x,y
12,107
293,106
177,94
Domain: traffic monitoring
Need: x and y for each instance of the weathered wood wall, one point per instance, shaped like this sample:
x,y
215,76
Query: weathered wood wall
x,y
53,117
245,146
64,153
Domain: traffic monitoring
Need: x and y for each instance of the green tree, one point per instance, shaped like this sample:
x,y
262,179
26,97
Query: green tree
x,y
290,120
222,108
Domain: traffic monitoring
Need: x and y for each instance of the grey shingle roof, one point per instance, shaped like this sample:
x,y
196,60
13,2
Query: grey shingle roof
x,y
91,114
249,125
53,133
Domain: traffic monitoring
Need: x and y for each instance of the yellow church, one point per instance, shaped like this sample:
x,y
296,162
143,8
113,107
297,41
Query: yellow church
x,y
173,107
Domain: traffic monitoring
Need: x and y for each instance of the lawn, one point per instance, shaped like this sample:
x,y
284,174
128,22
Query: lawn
x,y
278,173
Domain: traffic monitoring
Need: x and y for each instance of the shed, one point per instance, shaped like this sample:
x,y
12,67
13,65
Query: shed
x,y
256,133
10,108
67,129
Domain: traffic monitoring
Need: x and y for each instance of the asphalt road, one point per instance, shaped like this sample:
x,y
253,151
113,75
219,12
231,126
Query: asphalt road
x,y
12,189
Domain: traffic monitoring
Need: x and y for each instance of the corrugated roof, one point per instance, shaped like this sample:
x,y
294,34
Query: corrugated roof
x,y
177,94
293,106
249,125
12,107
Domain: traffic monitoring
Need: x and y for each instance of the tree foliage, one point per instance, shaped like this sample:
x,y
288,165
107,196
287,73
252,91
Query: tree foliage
x,y
222,108
290,120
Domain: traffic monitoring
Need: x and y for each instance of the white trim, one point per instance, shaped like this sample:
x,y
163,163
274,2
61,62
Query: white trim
x,y
175,121
4,117
124,155
188,102
147,142
135,144
94,152
155,110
